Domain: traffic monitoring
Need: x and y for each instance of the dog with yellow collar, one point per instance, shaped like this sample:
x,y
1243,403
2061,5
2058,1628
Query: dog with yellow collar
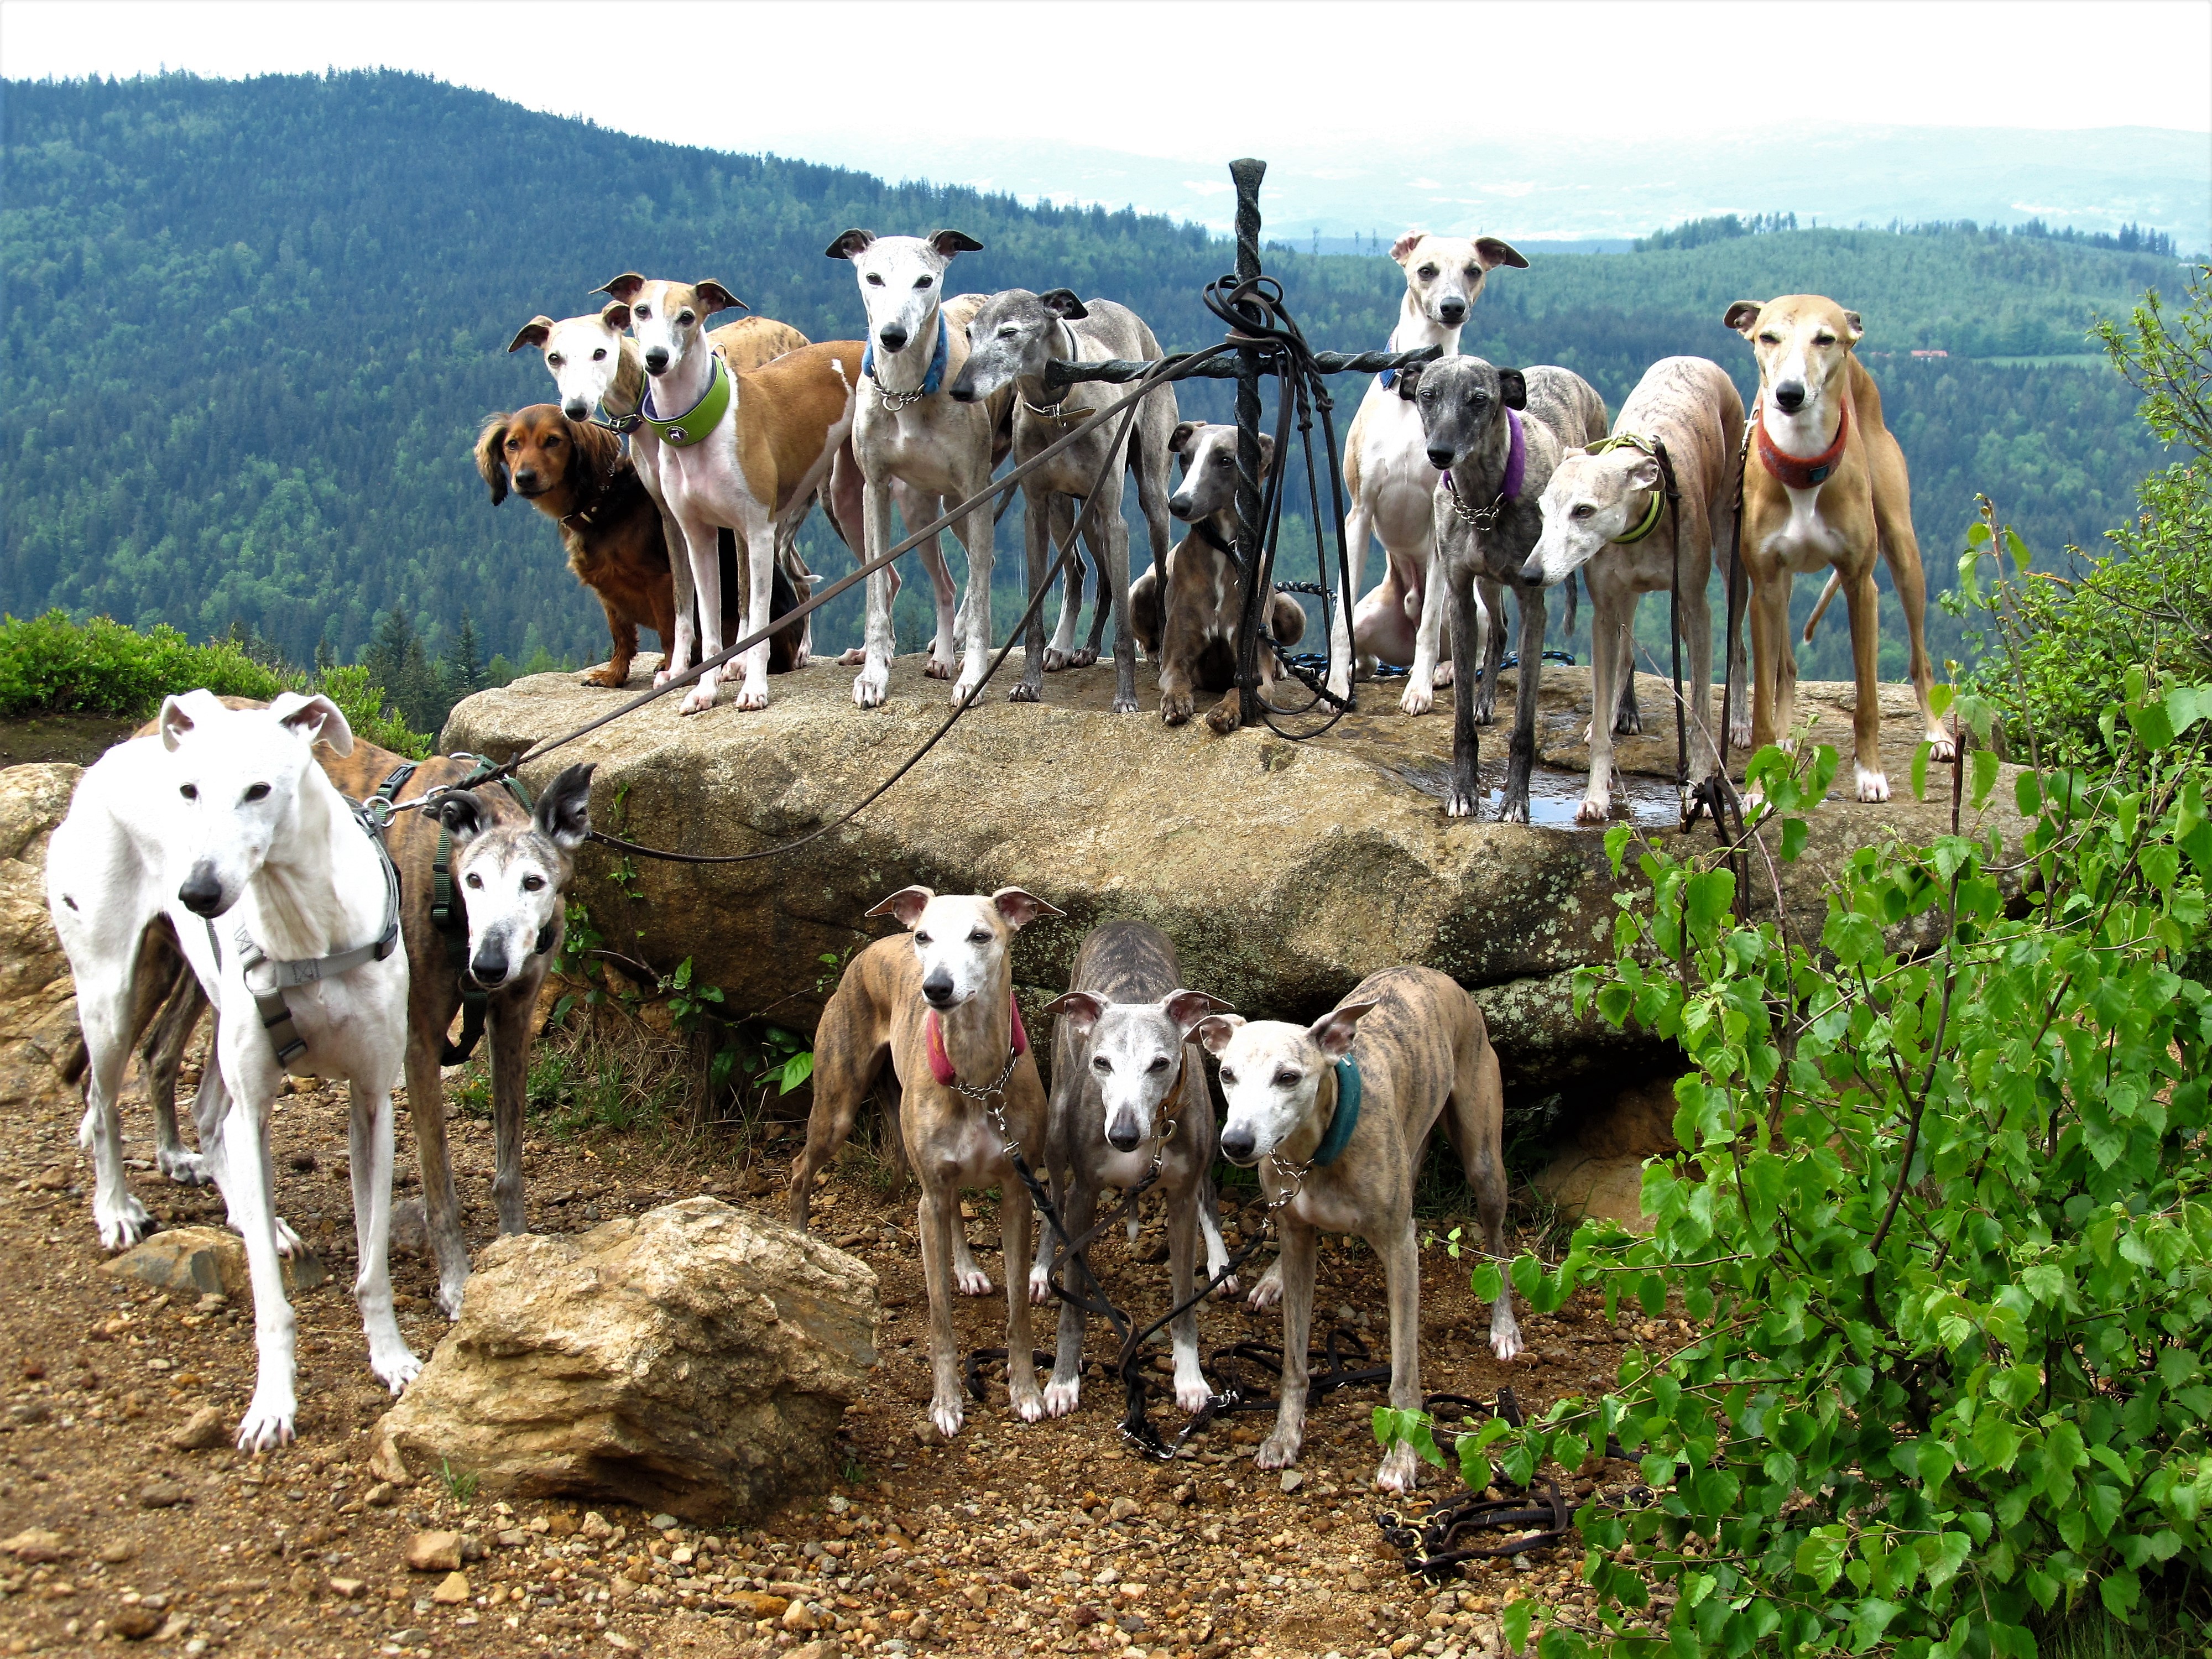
x,y
1336,1116
1638,513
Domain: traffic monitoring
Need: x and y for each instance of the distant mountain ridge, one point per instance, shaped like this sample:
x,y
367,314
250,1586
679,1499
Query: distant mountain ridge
x,y
252,326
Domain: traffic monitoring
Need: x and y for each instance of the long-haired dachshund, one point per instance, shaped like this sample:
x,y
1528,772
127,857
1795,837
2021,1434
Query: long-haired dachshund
x,y
575,473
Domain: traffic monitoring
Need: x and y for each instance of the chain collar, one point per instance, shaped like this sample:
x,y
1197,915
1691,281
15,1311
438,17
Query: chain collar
x,y
1482,518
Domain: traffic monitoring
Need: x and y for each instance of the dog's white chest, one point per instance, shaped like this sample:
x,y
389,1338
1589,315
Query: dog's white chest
x,y
1806,540
1396,477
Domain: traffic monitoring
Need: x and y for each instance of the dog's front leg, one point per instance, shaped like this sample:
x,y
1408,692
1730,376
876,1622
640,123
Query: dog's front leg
x,y
937,1216
701,536
103,1010
1280,1450
757,549
1014,1217
369,1141
1061,652
441,1204
268,1419
679,653
1111,528
1608,651
968,1274
874,679
1191,1390
1866,720
510,1094
1401,1276
1209,1224
1465,799
1419,694
1047,1241
1359,525
1527,681
1036,546
975,533
1066,1385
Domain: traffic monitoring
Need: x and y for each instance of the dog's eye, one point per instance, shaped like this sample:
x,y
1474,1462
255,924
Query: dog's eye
x,y
1770,339
1228,1077
1427,273
473,881
1009,331
514,443
1473,271
981,936
1584,510
553,359
922,938
920,283
1100,1063
257,792
601,356
1287,1080
533,883
190,792
643,311
684,319
1159,1063
1223,457
874,281
1824,339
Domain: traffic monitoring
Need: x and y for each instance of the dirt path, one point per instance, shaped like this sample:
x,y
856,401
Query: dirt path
x,y
1014,1538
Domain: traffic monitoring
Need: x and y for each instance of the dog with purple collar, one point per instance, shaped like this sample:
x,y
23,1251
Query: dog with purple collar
x,y
1495,435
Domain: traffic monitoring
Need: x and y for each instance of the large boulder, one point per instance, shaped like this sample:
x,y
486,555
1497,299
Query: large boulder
x,y
40,1050
1284,872
695,1359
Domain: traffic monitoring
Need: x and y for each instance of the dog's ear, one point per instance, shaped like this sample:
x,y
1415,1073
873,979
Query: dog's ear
x,y
615,315
491,456
1403,249
1858,328
1215,1030
950,242
316,719
1332,1031
1512,388
565,811
1021,908
1408,381
714,297
1489,253
624,288
906,904
179,718
1062,302
1179,438
531,333
1188,1008
1267,453
1743,316
1644,473
462,814
1079,1008
850,244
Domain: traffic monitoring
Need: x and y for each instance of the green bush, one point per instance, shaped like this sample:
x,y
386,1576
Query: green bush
x,y
51,664
1943,1223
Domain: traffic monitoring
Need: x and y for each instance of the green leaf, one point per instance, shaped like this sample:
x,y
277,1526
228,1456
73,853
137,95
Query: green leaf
x,y
1486,1281
795,1071
2120,1591
1795,832
1820,1556
1514,1623
1983,762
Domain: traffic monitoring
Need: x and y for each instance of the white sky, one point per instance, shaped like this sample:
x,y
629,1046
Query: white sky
x,y
1165,80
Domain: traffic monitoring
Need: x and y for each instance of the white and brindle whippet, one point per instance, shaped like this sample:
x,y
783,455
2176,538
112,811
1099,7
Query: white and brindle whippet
x,y
1826,484
1386,474
1012,337
288,913
909,430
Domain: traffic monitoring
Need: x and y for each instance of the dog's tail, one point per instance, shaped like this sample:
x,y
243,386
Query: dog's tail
x,y
1835,583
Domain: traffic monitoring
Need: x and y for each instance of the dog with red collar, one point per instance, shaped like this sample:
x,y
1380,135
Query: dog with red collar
x,y
1826,485
939,1006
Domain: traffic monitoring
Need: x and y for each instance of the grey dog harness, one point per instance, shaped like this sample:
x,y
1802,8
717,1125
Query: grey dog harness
x,y
267,981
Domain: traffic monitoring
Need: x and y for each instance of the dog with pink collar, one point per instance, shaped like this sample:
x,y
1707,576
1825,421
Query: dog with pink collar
x,y
938,1005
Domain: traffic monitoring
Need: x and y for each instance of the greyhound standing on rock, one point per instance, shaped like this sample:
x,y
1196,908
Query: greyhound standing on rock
x,y
1495,465
1130,1102
1011,339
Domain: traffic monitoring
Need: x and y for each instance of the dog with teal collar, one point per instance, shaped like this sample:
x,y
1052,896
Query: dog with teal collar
x,y
1336,1116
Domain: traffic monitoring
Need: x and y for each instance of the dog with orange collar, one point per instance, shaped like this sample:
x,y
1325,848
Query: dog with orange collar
x,y
939,1006
1826,485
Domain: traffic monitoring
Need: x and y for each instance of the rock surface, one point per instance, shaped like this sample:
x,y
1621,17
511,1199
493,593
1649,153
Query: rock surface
x,y
1599,1171
207,1260
1284,872
695,1359
39,1038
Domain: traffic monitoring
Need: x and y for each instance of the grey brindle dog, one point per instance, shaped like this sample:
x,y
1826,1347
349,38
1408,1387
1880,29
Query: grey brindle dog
x,y
1011,339
1130,1099
1488,519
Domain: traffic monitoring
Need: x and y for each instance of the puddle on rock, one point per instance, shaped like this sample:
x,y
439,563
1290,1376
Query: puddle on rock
x,y
1554,794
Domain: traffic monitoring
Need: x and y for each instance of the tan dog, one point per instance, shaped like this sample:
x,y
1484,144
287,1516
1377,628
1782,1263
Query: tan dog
x,y
940,1007
1188,623
1419,1048
1825,484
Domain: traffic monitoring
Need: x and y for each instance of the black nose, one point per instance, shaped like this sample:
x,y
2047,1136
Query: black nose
x,y
488,970
1179,506
574,410
1123,1136
893,339
1440,459
1236,1145
1791,394
1533,569
1452,311
656,361
202,893
963,391
937,987
526,480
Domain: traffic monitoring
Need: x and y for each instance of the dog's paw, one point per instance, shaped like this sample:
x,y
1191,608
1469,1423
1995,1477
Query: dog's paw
x,y
1505,1337
945,1412
1125,705
290,1244
1268,1292
971,1281
268,1421
1515,809
1628,723
938,668
1442,676
1083,656
1029,1404
606,680
698,699
450,1297
661,676
1023,691
1399,1469
750,695
1278,1450
1227,1289
1054,660
185,1168
1059,1397
1594,809
853,658
1740,733
1416,699
1176,706
869,686
1191,1391
123,1225
1459,804
1940,748
394,1363
1873,785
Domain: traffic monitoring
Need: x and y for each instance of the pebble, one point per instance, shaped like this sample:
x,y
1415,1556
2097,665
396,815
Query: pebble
x,y
162,1495
1293,1480
348,1590
134,1624
453,1591
202,1431
434,1551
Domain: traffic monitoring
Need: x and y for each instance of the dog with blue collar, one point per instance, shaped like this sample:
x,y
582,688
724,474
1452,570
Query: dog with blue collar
x,y
1336,1116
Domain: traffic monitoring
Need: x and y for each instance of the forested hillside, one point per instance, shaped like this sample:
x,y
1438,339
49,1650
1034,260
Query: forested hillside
x,y
252,326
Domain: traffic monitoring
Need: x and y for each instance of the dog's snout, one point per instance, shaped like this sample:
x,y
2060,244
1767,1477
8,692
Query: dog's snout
x,y
1532,569
201,893
1791,395
489,968
1122,1133
891,337
526,480
1452,312
1440,457
1179,506
574,410
962,390
1237,1143
656,361
937,987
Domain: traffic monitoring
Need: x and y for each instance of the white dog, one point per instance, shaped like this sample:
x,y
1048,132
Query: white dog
x,y
289,914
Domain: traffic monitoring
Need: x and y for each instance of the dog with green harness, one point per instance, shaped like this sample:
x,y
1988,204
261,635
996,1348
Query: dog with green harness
x,y
1642,512
1336,1116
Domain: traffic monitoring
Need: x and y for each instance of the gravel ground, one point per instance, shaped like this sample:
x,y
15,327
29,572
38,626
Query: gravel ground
x,y
1045,1538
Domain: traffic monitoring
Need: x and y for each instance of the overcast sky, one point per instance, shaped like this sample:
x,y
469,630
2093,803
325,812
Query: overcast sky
x,y
1189,80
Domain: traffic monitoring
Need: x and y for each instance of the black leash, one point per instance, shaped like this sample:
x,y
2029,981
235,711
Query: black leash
x,y
1715,796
